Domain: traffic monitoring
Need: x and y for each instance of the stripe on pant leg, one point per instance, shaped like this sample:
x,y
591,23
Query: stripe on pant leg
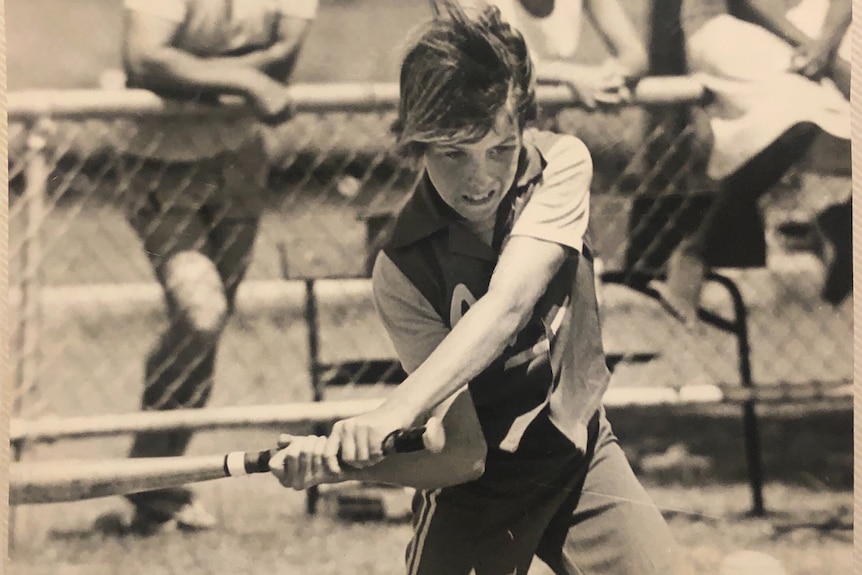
x,y
426,515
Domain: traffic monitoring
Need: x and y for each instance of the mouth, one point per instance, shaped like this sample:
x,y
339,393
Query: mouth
x,y
478,200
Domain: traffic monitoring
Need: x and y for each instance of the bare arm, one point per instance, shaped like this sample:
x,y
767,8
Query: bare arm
x,y
279,59
619,34
815,56
523,272
608,83
525,269
300,464
152,62
838,19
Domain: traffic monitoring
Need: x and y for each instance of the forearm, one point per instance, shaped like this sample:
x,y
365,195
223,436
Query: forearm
x,y
619,35
474,343
174,70
261,59
422,470
837,22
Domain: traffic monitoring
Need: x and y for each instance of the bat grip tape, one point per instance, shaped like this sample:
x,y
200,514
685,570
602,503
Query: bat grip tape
x,y
237,463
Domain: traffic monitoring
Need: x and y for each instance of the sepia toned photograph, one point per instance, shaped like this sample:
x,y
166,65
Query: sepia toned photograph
x,y
430,287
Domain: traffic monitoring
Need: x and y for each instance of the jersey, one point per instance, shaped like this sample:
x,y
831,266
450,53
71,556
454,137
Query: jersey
x,y
207,28
433,269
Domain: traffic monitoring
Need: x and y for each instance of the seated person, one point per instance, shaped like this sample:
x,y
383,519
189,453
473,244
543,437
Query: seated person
x,y
774,94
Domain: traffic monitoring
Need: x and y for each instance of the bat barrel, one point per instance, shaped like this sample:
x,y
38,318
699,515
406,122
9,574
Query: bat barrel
x,y
58,481
64,480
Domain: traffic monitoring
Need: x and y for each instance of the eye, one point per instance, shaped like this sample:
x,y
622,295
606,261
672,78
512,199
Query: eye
x,y
452,154
503,150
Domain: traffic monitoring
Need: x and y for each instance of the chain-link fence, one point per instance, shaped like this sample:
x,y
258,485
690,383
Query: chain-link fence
x,y
87,308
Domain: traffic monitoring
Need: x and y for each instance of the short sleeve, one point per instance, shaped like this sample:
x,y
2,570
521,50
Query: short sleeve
x,y
559,208
413,325
305,9
173,10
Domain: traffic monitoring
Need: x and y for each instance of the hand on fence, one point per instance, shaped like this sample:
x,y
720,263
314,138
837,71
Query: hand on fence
x,y
272,102
813,59
595,86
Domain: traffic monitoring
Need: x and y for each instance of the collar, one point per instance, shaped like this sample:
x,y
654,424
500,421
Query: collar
x,y
425,213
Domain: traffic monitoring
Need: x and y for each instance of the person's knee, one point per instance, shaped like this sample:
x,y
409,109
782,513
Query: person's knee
x,y
198,292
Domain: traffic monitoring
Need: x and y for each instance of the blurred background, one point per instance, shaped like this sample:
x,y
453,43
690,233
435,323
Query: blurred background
x,y
86,309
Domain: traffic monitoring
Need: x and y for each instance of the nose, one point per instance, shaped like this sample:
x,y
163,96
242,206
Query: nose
x,y
480,177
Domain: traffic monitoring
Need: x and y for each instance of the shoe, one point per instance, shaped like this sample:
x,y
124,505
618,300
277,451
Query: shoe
x,y
194,517
190,517
834,227
680,293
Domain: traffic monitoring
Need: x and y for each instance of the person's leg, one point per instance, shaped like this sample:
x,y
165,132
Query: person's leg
x,y
444,534
179,368
736,197
492,526
613,528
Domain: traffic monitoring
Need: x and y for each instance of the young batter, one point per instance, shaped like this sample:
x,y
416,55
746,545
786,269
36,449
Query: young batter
x,y
486,289
195,189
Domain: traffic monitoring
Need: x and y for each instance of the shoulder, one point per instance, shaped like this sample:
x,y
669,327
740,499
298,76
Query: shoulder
x,y
563,154
557,209
557,146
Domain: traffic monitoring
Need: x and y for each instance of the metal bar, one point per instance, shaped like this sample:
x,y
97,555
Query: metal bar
x,y
751,430
739,328
367,97
199,419
35,190
312,495
50,429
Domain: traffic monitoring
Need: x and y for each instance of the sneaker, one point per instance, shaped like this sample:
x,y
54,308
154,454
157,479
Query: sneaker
x,y
835,228
190,517
194,517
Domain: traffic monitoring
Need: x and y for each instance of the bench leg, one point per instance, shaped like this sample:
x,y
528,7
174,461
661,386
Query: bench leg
x,y
751,431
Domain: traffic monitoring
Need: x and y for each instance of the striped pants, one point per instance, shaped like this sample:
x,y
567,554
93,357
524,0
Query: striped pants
x,y
581,515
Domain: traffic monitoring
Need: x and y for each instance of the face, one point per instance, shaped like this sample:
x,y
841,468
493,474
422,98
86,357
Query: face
x,y
474,177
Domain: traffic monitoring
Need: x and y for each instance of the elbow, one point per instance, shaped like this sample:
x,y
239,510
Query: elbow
x,y
477,469
635,62
141,68
474,458
147,68
470,466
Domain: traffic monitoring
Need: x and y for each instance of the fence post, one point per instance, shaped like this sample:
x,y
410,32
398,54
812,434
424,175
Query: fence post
x,y
29,314
30,306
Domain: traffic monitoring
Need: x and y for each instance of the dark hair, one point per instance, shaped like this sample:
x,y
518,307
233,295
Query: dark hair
x,y
456,76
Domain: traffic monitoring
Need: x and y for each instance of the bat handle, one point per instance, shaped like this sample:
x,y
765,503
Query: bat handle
x,y
429,436
237,463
